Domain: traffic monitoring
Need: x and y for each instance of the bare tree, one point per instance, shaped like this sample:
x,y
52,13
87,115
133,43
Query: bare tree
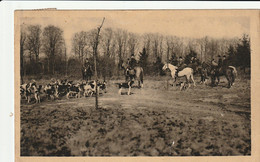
x,y
119,42
22,44
92,39
79,43
125,38
157,45
95,47
147,41
107,41
107,44
52,42
33,43
132,43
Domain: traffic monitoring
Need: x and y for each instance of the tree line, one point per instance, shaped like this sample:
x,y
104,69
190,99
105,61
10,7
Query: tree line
x,y
43,51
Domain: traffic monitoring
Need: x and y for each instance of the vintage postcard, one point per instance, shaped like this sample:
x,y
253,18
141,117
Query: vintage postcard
x,y
136,85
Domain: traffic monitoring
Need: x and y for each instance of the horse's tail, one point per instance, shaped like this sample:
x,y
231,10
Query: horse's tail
x,y
234,70
142,75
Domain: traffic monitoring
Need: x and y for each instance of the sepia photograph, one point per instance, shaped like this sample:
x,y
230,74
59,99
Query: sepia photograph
x,y
124,83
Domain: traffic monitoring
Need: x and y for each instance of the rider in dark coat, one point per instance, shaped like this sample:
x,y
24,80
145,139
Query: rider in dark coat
x,y
86,64
225,63
132,62
181,64
88,68
192,60
220,61
214,65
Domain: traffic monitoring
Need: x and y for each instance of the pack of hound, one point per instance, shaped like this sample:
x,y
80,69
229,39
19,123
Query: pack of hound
x,y
59,88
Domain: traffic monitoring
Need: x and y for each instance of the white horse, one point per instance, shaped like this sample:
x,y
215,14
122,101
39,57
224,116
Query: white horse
x,y
187,72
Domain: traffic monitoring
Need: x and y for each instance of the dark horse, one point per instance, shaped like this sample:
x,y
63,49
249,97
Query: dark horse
x,y
195,67
204,72
133,74
229,72
86,73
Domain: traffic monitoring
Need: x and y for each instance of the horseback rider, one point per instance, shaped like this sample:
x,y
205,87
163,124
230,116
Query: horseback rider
x,y
214,65
129,69
220,62
180,61
196,61
204,72
86,64
192,60
86,67
181,65
132,62
224,63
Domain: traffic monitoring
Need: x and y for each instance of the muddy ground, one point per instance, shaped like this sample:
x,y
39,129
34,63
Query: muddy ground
x,y
153,121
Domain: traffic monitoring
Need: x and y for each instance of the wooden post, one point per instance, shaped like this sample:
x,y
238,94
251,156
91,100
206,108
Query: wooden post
x,y
95,61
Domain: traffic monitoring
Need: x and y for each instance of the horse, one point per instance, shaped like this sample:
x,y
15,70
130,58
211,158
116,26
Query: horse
x,y
195,67
86,73
230,73
186,72
135,73
204,72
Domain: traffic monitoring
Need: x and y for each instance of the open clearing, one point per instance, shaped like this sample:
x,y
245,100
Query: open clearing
x,y
152,121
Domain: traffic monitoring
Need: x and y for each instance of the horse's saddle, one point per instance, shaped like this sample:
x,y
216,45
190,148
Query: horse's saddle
x,y
183,66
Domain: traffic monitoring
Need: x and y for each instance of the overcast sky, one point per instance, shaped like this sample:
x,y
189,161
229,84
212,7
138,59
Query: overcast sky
x,y
194,24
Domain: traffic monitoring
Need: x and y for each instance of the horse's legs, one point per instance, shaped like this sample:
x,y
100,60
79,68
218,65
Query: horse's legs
x,y
187,80
191,76
233,77
201,79
213,79
142,80
129,90
119,91
139,84
218,79
229,81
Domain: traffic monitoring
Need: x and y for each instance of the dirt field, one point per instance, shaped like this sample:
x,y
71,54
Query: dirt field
x,y
152,121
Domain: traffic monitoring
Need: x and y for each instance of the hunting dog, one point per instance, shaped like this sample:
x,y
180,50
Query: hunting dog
x,y
183,85
27,90
125,85
90,88
74,89
50,91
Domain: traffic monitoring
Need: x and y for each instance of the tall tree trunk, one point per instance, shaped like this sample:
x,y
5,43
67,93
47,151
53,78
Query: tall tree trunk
x,y
21,63
53,65
95,60
48,67
119,60
66,65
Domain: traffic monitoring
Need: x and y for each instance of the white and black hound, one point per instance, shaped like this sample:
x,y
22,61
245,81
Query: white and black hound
x,y
125,85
